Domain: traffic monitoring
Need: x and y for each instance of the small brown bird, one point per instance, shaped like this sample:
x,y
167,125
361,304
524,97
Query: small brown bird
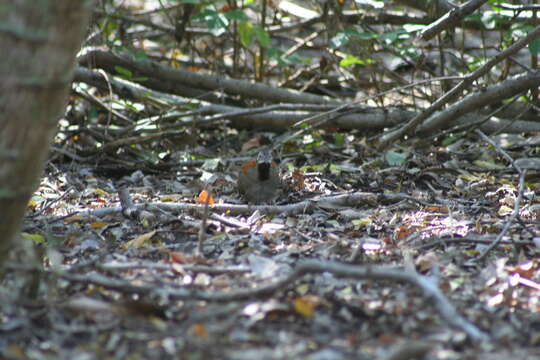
x,y
258,180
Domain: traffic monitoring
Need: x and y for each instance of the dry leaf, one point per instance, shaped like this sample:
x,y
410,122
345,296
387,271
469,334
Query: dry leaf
x,y
98,225
426,262
199,330
526,269
205,197
73,219
306,305
298,180
253,143
140,241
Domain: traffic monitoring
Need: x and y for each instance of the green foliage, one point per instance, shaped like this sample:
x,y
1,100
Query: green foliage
x,y
262,36
351,60
245,30
128,74
216,21
236,15
519,31
125,73
248,32
393,158
312,140
398,40
109,27
339,139
534,47
343,37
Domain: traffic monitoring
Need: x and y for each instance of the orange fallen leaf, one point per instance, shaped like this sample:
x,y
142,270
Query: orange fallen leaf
x,y
402,232
181,258
199,330
525,269
205,197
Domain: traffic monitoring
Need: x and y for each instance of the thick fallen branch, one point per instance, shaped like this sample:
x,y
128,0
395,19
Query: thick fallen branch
x,y
490,95
163,78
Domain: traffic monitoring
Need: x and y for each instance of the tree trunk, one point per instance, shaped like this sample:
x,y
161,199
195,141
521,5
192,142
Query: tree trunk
x,y
38,43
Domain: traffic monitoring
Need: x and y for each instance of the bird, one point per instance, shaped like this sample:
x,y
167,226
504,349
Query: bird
x,y
258,180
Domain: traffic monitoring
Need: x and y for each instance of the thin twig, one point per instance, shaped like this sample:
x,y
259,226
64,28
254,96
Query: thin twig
x,y
517,203
510,220
451,18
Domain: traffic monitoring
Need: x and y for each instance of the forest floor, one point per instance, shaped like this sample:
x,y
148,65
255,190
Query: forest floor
x,y
387,257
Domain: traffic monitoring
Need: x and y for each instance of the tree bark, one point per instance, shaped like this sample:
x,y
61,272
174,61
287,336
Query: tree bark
x,y
38,43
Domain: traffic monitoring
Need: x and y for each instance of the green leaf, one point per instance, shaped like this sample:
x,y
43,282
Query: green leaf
x,y
393,158
262,36
140,55
392,36
211,164
351,60
215,21
245,30
362,222
339,139
534,46
343,37
339,40
37,238
277,55
492,19
364,35
217,24
126,73
237,15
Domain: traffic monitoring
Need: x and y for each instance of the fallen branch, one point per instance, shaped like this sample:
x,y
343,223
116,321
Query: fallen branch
x,y
457,90
428,287
490,95
163,78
